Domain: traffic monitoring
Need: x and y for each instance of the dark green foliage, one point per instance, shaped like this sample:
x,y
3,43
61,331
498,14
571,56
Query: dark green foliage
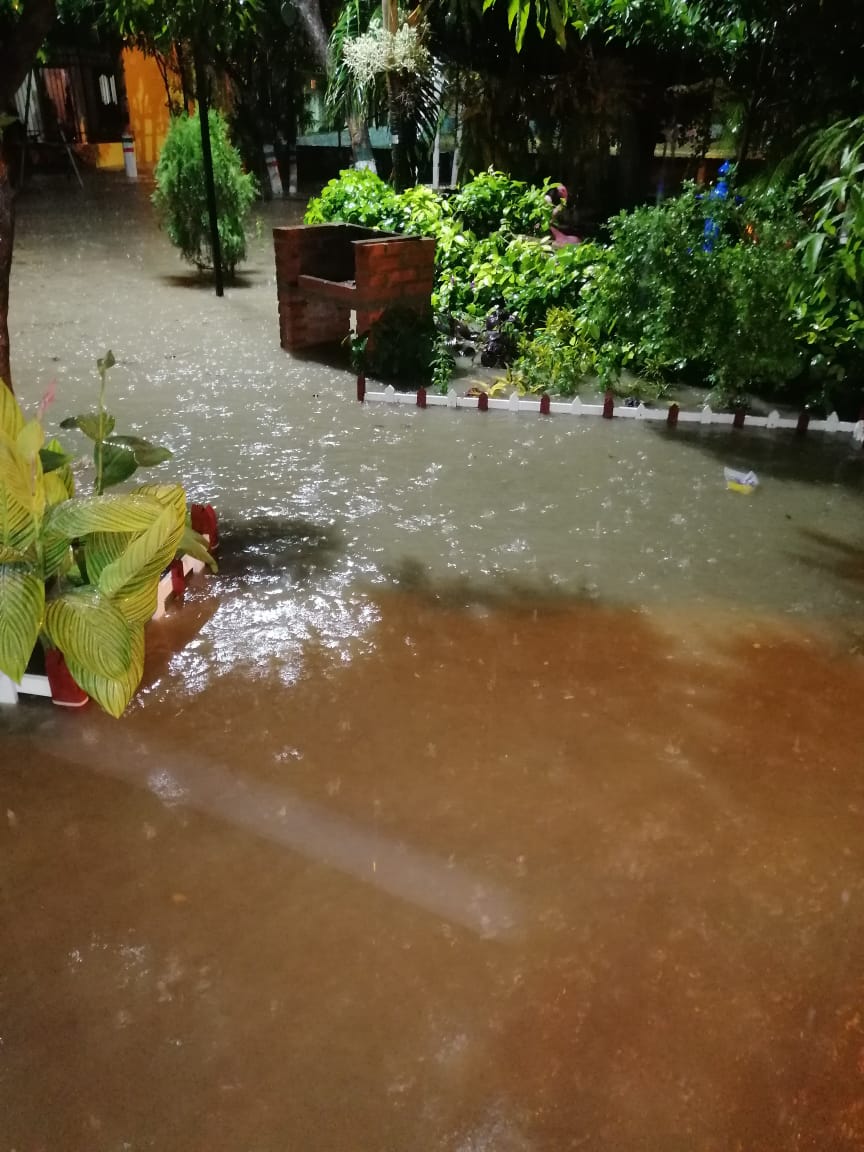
x,y
828,295
698,289
492,201
711,288
180,196
401,346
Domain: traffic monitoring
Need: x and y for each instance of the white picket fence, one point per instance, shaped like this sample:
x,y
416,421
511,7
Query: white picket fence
x,y
577,407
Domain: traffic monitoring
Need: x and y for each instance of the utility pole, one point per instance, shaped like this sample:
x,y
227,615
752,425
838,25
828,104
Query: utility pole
x,y
207,156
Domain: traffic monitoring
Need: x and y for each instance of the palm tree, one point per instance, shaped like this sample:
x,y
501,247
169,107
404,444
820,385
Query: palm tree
x,y
408,101
348,101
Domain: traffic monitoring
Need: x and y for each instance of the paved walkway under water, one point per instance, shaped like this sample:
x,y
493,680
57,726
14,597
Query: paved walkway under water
x,y
504,792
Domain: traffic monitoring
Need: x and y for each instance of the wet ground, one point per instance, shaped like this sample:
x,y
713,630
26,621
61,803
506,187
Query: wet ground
x,y
502,794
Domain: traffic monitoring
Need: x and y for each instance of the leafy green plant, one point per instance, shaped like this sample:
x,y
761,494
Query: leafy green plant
x,y
357,345
442,364
492,201
79,572
557,357
180,196
828,295
356,197
115,458
526,276
697,289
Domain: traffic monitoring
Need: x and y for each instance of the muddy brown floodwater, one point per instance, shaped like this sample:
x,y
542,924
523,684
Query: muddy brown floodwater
x,y
503,793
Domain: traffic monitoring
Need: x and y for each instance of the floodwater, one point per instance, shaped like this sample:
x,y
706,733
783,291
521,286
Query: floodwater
x,y
503,793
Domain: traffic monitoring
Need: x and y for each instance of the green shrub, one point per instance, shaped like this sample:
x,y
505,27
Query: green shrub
x,y
181,198
423,212
698,289
492,201
356,197
557,357
522,275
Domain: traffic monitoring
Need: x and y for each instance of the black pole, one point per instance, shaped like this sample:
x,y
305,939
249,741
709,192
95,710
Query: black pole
x,y
209,183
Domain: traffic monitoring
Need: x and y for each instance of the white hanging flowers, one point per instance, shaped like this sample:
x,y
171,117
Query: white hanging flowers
x,y
379,51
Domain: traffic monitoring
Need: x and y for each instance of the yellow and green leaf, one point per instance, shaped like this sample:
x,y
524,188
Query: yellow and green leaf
x,y
113,693
119,513
89,630
22,605
11,417
18,524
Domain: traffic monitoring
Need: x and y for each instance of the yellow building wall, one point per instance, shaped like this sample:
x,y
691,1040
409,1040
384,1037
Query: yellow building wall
x,y
148,112
106,155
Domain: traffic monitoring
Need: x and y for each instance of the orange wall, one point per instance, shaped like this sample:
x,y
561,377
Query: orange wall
x,y
148,112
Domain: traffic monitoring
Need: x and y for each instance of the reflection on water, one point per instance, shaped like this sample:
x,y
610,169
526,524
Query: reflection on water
x,y
502,792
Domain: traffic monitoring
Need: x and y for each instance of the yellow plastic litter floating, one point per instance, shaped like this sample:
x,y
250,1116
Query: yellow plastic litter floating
x,y
744,482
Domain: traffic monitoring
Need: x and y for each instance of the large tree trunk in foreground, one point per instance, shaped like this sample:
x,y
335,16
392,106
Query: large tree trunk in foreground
x,y
19,42
7,237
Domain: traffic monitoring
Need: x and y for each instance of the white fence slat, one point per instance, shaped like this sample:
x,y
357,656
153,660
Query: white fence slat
x,y
452,398
8,690
35,685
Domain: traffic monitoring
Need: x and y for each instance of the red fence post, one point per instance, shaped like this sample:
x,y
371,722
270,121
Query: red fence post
x,y
361,386
803,422
672,416
483,402
739,417
608,406
544,405
421,397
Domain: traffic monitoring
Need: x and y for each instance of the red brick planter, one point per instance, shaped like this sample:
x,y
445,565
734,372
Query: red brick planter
x,y
326,271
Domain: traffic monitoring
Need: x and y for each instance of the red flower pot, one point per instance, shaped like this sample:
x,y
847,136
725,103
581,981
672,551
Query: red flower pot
x,y
64,690
204,521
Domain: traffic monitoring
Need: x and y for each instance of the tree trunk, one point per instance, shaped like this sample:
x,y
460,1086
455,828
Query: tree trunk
x,y
17,57
7,238
361,144
400,177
